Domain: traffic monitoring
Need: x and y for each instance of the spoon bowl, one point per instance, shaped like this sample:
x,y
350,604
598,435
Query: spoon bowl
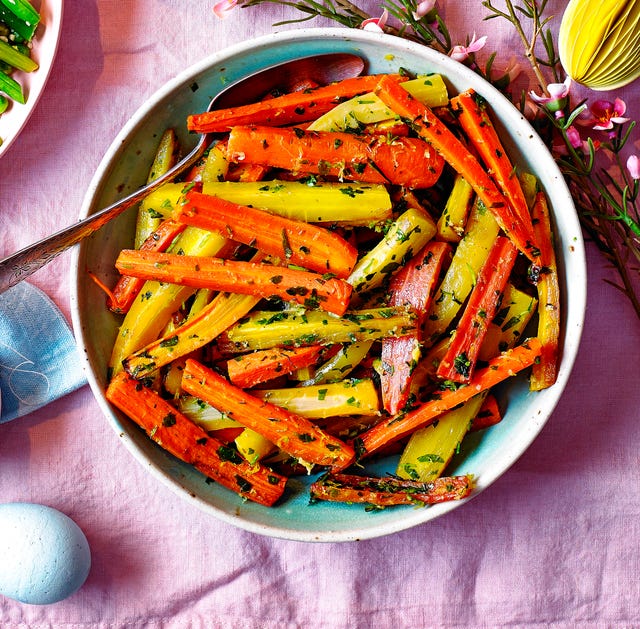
x,y
284,77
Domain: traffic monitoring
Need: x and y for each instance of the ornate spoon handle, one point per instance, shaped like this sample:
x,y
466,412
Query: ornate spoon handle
x,y
22,264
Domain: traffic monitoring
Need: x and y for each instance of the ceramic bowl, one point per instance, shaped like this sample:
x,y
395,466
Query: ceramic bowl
x,y
124,167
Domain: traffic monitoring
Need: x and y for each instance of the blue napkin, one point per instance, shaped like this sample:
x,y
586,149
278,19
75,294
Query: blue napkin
x,y
39,361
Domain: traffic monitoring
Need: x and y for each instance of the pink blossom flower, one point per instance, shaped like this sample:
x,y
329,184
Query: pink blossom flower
x,y
576,141
224,7
573,135
633,166
460,53
375,24
603,114
558,92
424,8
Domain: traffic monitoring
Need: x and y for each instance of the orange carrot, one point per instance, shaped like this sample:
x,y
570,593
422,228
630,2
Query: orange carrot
x,y
247,370
461,356
190,443
545,372
471,111
500,368
247,278
389,491
246,172
488,415
292,433
414,286
409,162
429,127
288,109
347,427
297,242
127,288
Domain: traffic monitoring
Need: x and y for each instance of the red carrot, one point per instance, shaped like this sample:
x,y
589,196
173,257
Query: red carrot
x,y
292,108
409,162
500,368
429,127
389,491
488,415
247,370
461,356
290,432
247,278
545,372
414,286
297,242
190,443
471,111
127,288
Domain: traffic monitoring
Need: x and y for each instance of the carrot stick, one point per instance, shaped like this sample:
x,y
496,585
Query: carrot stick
x,y
371,159
223,311
471,111
297,242
246,172
461,356
545,372
488,415
430,128
127,287
188,442
500,368
245,371
247,278
414,286
389,491
290,432
288,109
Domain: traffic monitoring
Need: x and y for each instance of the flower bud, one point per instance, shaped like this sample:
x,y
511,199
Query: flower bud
x,y
599,41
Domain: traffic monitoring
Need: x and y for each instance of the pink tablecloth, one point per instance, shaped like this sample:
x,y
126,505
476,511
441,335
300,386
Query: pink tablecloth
x,y
555,542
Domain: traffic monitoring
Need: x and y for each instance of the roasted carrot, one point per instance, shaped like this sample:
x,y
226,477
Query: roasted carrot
x,y
247,278
488,415
247,370
297,242
545,372
389,491
409,162
127,287
290,432
347,427
288,109
223,311
296,327
458,362
431,129
500,368
413,286
240,173
471,111
187,441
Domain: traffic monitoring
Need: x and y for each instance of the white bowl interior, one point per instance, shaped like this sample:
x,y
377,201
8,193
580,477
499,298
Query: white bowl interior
x,y
487,455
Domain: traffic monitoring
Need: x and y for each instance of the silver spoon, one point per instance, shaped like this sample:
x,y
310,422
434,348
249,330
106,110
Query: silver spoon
x,y
322,69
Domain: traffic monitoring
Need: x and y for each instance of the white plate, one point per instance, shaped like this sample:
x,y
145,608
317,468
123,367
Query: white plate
x,y
45,45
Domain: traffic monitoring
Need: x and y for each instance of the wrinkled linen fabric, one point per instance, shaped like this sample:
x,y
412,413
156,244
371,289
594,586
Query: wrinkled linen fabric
x,y
38,357
555,542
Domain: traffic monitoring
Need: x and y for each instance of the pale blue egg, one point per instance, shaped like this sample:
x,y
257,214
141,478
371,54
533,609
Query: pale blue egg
x,y
45,554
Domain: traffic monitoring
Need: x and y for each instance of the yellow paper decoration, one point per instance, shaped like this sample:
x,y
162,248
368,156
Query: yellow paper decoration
x,y
599,42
